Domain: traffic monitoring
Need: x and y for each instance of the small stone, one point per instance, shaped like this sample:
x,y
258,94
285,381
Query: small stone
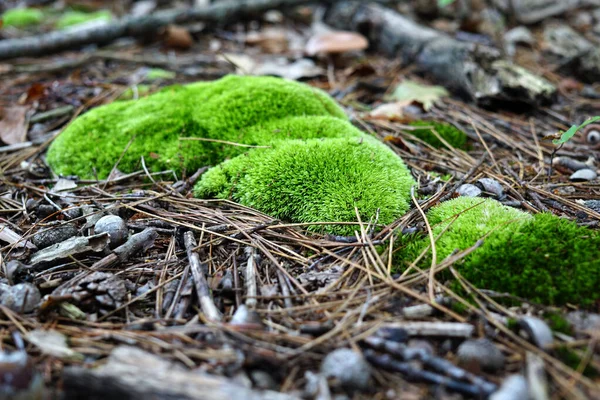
x,y
583,175
115,227
583,321
536,330
593,136
468,190
20,298
52,235
492,186
593,204
348,368
513,388
480,354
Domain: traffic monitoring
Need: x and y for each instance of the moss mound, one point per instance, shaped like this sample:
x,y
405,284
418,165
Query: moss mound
x,y
221,110
22,17
465,220
72,18
543,258
316,181
454,136
548,260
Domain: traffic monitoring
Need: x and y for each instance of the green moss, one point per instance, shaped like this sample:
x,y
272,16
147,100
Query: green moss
x,y
222,110
93,143
72,18
316,181
558,323
548,260
465,220
22,17
140,90
455,137
155,74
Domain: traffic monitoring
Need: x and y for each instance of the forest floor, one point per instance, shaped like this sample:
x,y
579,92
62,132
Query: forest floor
x,y
289,298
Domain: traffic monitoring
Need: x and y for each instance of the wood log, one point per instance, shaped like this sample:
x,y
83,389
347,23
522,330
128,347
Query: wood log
x,y
473,71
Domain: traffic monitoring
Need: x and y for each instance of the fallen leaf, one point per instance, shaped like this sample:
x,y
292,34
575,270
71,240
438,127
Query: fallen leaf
x,y
271,40
412,91
335,42
13,124
303,68
53,343
390,111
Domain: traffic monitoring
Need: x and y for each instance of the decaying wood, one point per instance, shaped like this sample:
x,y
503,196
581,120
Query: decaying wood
x,y
131,373
72,246
477,72
425,328
202,290
532,11
218,12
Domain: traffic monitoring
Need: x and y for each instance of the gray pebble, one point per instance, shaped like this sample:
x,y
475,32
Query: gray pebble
x,y
115,227
583,175
349,369
513,388
20,298
593,204
482,353
536,330
491,186
583,321
468,190
52,235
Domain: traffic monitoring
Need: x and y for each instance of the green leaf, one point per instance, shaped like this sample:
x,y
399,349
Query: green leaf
x,y
444,3
424,94
564,138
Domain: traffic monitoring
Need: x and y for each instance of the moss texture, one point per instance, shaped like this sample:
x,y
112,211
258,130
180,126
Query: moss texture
x,y
306,163
548,260
465,220
72,18
543,258
454,136
221,110
22,17
316,181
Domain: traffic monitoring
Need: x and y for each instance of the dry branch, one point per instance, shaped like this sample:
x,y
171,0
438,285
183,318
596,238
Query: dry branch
x,y
202,290
477,72
220,12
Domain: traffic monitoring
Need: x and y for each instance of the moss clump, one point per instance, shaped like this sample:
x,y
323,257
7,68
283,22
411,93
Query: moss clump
x,y
223,110
543,258
22,17
316,181
465,220
93,143
548,260
72,18
455,137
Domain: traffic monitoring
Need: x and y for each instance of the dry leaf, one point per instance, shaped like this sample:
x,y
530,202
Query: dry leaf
x,y
390,111
270,40
13,124
426,95
336,42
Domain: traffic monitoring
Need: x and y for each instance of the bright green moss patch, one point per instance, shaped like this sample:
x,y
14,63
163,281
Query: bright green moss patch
x,y
72,18
22,17
454,136
221,110
316,181
542,258
548,260
155,74
92,144
465,220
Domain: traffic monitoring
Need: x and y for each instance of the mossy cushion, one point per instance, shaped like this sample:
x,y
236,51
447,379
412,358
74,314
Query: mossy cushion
x,y
543,258
222,110
316,181
549,260
22,17
307,162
